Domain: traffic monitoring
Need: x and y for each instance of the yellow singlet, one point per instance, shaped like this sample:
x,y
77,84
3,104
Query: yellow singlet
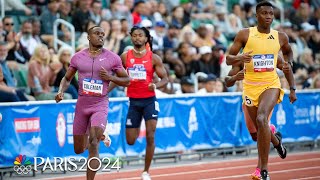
x,y
260,72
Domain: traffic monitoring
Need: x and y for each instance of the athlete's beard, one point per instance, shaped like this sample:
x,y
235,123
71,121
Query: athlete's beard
x,y
138,46
98,46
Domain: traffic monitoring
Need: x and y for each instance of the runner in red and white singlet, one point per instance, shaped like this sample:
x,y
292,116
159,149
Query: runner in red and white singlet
x,y
141,64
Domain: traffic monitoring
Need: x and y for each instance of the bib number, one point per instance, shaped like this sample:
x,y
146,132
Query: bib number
x,y
263,62
248,101
137,72
92,87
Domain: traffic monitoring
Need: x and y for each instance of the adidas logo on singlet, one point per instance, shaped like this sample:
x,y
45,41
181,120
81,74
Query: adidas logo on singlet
x,y
270,37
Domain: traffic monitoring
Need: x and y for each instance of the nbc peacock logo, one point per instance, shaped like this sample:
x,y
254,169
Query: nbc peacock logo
x,y
22,165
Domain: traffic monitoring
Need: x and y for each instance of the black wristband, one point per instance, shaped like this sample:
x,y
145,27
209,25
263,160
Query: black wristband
x,y
291,63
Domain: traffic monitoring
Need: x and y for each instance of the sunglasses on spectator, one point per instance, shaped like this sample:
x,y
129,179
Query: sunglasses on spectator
x,y
7,24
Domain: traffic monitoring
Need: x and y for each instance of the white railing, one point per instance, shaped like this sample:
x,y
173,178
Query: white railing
x,y
57,41
2,8
281,12
196,81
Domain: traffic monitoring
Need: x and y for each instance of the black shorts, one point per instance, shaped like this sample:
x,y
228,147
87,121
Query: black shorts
x,y
148,108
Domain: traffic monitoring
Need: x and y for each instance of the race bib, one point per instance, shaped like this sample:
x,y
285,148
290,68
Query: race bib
x,y
137,72
92,87
263,62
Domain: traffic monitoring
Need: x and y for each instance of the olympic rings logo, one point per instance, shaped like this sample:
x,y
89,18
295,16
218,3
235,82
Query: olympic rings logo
x,y
21,169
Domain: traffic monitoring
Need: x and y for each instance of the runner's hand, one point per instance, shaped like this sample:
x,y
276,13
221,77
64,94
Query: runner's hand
x,y
103,73
152,86
286,67
240,75
292,96
59,97
246,57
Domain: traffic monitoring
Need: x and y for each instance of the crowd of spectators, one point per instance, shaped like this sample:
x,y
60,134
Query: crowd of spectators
x,y
192,38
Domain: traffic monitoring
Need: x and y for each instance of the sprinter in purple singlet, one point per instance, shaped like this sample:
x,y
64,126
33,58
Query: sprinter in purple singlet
x,y
95,67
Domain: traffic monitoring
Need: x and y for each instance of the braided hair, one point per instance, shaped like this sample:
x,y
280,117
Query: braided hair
x,y
146,32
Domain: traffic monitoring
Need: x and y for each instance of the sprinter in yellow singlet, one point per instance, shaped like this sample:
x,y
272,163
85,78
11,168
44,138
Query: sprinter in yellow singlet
x,y
261,84
237,74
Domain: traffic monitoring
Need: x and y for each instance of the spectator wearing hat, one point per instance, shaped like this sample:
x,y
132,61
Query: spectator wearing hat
x,y
187,7
146,23
170,41
210,83
187,85
207,63
158,33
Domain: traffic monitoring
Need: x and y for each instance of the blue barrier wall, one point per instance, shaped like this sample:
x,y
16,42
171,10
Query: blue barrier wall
x,y
185,122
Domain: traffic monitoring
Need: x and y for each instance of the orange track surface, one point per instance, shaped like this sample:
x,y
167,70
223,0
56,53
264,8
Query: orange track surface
x,y
302,166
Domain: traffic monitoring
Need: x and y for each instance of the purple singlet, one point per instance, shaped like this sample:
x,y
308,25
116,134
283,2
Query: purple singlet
x,y
92,105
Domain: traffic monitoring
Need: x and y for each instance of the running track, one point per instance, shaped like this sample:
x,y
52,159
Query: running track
x,y
297,166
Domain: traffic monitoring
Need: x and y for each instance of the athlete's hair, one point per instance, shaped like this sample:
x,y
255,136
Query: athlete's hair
x,y
263,3
90,29
146,32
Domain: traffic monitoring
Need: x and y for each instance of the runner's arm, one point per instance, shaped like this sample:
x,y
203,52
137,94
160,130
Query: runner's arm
x,y
288,63
161,71
233,57
65,82
280,62
112,85
288,58
232,76
121,78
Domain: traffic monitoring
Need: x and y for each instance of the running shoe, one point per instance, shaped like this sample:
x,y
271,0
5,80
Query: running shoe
x,y
282,151
145,176
264,175
256,174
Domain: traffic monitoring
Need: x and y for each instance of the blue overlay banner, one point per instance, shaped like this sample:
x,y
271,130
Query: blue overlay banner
x,y
44,129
